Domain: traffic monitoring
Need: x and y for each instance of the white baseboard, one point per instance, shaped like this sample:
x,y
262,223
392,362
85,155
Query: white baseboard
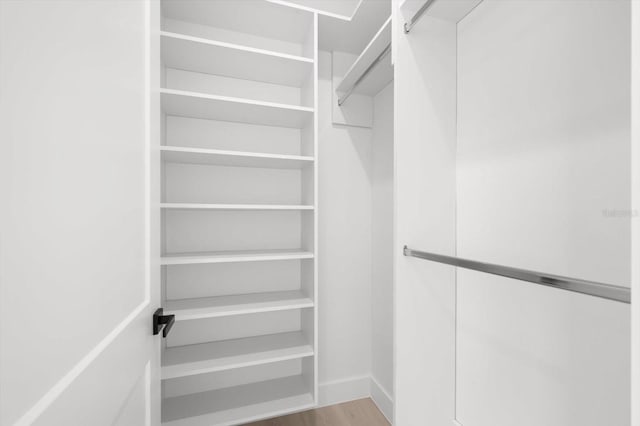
x,y
456,423
382,399
353,388
344,390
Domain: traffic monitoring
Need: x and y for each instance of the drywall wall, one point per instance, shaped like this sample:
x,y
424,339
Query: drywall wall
x,y
344,262
424,149
382,241
543,184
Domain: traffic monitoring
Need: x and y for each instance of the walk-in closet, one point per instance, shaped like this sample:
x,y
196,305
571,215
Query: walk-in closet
x,y
319,212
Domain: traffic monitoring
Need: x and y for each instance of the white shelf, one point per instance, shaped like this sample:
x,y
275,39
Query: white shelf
x,y
238,404
222,306
224,108
257,18
380,75
196,206
216,57
204,358
452,11
216,157
234,256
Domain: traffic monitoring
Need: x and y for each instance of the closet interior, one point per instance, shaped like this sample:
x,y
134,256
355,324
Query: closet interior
x,y
240,201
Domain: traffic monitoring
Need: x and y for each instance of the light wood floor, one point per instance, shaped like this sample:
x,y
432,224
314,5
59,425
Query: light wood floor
x,y
362,412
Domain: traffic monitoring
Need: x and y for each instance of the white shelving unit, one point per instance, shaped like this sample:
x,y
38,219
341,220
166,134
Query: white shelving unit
x,y
239,150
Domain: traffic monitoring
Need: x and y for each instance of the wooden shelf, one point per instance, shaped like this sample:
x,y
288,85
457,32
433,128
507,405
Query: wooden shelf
x,y
224,108
238,404
196,206
216,57
234,256
222,306
204,358
380,75
216,157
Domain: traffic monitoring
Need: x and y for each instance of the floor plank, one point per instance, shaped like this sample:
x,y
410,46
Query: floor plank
x,y
362,412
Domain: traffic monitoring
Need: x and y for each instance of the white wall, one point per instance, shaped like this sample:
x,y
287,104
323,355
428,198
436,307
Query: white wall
x,y
344,274
424,144
382,241
543,154
635,203
355,245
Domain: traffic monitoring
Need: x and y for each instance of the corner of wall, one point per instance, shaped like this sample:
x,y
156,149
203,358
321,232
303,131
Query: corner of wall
x,y
339,391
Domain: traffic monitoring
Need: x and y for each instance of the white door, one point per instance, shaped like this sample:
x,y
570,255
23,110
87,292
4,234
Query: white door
x,y
77,292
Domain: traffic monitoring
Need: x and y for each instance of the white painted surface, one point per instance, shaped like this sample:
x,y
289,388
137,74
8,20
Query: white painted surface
x,y
543,155
198,206
76,293
383,71
449,10
211,307
338,9
254,23
424,308
214,107
226,355
382,244
351,36
345,389
239,404
236,256
239,211
382,398
344,242
215,57
218,157
635,207
357,111
228,136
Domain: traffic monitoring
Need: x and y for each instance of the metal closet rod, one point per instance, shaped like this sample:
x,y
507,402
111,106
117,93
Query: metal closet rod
x,y
591,288
418,15
348,93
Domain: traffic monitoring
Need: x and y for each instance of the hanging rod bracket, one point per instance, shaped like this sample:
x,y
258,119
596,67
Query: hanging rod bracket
x,y
416,17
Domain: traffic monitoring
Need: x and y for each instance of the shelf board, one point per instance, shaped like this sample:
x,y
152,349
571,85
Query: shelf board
x,y
234,256
380,75
197,206
220,58
222,306
216,157
181,361
452,11
258,18
224,108
238,404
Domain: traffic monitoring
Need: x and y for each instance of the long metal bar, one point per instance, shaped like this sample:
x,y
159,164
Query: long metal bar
x,y
416,17
592,288
364,74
